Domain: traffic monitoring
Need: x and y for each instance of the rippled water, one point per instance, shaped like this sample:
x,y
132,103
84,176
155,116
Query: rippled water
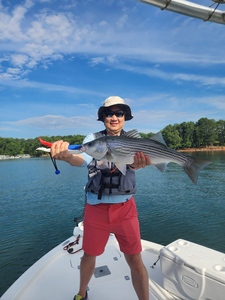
x,y
38,208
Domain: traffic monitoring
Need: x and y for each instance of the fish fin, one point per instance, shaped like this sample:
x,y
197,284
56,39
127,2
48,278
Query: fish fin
x,y
197,164
133,134
97,135
161,167
158,138
122,168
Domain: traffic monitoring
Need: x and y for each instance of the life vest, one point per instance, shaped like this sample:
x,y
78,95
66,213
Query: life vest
x,y
105,179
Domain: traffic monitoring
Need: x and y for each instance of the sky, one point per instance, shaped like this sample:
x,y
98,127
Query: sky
x,y
59,60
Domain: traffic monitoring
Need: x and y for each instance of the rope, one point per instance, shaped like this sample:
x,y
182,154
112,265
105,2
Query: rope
x,y
212,12
68,247
155,262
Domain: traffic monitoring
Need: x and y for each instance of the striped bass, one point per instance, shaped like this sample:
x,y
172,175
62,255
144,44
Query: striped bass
x,y
122,149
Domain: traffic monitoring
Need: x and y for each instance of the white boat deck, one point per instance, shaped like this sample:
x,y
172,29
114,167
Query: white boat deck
x,y
56,275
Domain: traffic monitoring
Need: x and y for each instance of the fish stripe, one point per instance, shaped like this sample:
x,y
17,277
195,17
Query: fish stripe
x,y
149,149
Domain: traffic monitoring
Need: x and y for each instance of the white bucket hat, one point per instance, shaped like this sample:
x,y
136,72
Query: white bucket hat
x,y
114,100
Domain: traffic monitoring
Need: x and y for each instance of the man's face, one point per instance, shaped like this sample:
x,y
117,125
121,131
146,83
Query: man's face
x,y
114,124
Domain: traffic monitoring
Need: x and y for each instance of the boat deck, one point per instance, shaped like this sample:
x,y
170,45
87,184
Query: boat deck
x,y
56,275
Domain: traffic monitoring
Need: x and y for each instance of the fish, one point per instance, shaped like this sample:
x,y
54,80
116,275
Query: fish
x,y
121,151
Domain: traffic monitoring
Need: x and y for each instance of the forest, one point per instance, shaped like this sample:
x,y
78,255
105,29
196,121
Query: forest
x,y
13,147
203,133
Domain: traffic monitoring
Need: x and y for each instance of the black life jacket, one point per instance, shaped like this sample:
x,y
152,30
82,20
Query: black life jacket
x,y
105,179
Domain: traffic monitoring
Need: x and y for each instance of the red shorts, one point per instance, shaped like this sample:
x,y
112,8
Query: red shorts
x,y
102,219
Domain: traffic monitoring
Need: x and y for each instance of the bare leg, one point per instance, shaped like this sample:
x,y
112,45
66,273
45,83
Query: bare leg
x,y
87,267
139,275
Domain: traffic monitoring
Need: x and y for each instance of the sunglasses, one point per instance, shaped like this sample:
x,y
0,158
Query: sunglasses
x,y
110,113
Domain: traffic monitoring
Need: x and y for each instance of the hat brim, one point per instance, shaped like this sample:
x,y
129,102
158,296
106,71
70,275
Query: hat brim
x,y
126,108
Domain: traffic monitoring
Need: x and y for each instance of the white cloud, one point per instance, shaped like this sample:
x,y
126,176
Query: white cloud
x,y
48,35
4,128
153,72
122,20
10,26
19,59
28,4
6,80
112,59
72,4
96,60
102,23
89,105
7,77
216,101
31,64
56,122
157,116
13,70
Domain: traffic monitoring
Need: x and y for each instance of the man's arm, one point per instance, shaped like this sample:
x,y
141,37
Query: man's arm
x,y
59,150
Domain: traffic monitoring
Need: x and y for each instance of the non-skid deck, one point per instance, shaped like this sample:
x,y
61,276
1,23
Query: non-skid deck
x,y
56,275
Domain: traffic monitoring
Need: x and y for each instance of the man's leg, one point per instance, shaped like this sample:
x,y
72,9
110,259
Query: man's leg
x,y
96,235
87,267
139,275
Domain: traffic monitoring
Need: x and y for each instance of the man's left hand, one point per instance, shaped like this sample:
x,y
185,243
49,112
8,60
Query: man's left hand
x,y
140,161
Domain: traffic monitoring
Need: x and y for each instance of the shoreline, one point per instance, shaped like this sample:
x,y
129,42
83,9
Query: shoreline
x,y
221,148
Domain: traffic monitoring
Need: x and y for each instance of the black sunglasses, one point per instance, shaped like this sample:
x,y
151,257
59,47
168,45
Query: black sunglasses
x,y
110,113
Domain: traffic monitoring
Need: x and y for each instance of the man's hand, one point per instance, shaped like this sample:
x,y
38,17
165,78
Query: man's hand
x,y
140,161
59,150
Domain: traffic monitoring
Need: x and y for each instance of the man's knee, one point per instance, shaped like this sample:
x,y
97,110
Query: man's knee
x,y
87,256
134,261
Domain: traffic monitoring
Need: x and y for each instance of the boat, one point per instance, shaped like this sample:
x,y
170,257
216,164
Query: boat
x,y
191,9
180,270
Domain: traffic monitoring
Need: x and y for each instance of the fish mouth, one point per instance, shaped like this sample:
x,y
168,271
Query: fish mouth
x,y
83,149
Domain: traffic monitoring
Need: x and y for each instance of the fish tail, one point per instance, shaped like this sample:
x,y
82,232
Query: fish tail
x,y
192,169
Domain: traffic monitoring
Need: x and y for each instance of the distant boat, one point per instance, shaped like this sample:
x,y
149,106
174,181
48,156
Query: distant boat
x,y
191,9
180,270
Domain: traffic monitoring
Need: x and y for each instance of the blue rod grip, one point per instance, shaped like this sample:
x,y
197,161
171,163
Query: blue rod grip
x,y
74,147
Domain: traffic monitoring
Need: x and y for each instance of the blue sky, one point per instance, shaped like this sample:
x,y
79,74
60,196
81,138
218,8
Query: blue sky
x,y
59,60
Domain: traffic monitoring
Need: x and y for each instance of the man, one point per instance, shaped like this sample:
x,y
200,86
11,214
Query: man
x,y
110,202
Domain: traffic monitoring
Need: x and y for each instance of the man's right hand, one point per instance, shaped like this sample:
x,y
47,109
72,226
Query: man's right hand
x,y
59,150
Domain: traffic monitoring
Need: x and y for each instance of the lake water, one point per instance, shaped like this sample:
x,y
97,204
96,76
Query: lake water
x,y
38,208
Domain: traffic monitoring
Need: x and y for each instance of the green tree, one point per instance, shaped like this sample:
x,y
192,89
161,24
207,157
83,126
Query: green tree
x,y
187,134
146,135
187,130
221,132
172,137
206,133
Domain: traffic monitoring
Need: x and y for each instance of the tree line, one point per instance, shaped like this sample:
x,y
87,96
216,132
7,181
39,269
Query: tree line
x,y
13,147
205,132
